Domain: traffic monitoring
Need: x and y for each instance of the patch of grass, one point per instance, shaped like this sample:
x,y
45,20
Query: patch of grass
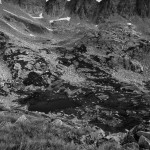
x,y
42,134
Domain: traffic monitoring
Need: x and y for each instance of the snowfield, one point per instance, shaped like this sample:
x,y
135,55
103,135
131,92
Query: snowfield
x,y
60,19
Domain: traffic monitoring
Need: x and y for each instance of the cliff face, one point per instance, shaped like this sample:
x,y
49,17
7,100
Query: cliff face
x,y
31,6
143,8
55,8
94,11
134,7
90,10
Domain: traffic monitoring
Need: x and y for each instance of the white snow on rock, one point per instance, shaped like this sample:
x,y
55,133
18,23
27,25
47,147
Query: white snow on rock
x,y
39,17
60,19
10,12
17,29
32,35
129,24
98,0
49,29
0,1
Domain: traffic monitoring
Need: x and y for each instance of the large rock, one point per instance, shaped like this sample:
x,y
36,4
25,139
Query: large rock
x,y
35,79
22,119
145,134
57,122
131,146
144,142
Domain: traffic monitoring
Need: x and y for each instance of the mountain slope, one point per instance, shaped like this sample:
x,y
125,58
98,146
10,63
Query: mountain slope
x,y
86,9
96,69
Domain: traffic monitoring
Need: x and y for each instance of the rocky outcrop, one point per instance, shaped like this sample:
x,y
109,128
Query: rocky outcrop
x,y
62,77
35,79
87,10
139,135
31,6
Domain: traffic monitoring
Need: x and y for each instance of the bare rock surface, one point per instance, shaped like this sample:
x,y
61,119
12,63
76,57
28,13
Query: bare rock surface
x,y
81,67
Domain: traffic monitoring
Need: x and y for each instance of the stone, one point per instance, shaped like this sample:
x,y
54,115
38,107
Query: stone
x,y
144,142
22,119
57,122
101,133
116,136
131,146
34,79
145,134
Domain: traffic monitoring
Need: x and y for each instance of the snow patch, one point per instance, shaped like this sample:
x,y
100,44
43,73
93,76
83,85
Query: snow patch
x,y
49,29
39,17
99,1
0,1
129,24
10,12
60,19
32,35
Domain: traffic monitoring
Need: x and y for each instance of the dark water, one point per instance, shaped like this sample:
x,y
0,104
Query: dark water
x,y
59,104
105,102
118,110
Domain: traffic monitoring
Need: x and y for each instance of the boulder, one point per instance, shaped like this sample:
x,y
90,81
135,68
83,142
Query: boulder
x,y
131,146
144,142
34,79
22,119
118,137
145,134
57,122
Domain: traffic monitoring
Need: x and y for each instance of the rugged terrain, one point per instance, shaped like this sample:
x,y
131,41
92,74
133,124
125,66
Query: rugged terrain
x,y
81,65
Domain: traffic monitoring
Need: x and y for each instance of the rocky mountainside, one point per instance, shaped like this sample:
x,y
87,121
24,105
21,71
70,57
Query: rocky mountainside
x,y
89,73
90,10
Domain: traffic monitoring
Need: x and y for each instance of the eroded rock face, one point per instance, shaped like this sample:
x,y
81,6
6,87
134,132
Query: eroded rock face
x,y
138,137
90,10
143,8
32,7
